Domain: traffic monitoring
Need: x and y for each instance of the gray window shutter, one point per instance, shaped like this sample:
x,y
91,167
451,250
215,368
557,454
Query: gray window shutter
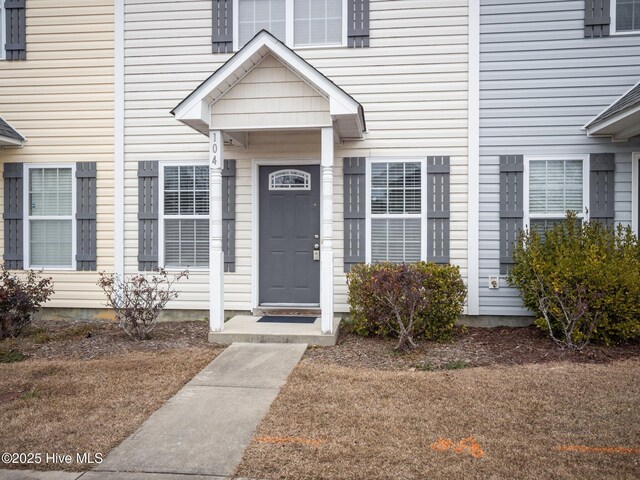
x,y
13,215
601,188
355,191
358,26
148,203
511,206
229,215
597,18
222,32
86,224
15,27
438,225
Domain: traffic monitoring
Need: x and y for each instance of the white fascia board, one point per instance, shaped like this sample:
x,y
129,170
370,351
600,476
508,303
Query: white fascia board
x,y
597,129
197,117
340,103
203,91
587,125
10,142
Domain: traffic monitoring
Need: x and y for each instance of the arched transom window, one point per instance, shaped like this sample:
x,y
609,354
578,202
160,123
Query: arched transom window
x,y
289,180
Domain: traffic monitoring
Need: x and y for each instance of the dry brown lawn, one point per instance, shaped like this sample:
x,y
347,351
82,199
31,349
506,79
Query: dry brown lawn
x,y
336,422
71,406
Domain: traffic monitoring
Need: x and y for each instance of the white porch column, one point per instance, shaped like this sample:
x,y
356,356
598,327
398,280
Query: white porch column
x,y
216,256
326,244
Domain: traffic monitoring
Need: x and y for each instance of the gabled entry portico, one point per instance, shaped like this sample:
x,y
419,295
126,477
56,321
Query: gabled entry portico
x,y
267,87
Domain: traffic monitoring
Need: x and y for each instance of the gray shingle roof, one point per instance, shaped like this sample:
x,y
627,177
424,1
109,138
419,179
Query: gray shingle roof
x,y
628,100
7,130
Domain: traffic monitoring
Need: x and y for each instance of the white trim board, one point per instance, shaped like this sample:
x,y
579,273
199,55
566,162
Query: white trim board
x,y
255,218
118,133
635,191
3,33
195,109
473,163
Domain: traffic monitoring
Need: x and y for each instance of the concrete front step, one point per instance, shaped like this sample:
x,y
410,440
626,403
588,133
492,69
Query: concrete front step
x,y
247,329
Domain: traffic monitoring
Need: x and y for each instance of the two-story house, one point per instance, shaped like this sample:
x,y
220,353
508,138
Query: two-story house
x,y
269,145
336,131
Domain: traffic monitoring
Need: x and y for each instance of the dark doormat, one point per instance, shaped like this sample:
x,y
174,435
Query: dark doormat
x,y
285,319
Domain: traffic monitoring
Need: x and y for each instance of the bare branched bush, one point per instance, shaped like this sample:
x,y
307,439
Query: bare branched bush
x,y
20,298
138,299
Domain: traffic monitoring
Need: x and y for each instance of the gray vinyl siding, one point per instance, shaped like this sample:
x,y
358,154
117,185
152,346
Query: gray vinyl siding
x,y
540,81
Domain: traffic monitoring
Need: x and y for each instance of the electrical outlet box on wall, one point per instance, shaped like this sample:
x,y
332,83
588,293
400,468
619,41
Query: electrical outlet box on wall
x,y
494,283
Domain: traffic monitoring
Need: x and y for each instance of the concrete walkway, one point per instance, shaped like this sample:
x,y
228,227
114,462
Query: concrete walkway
x,y
201,432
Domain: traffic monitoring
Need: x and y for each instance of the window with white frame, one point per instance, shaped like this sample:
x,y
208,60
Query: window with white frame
x,y
626,15
50,217
555,186
395,211
186,216
295,22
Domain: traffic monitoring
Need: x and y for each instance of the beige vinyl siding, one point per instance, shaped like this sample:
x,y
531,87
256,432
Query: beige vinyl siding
x,y
61,100
412,83
270,95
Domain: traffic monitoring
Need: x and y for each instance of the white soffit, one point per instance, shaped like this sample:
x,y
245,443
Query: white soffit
x,y
620,120
194,110
9,136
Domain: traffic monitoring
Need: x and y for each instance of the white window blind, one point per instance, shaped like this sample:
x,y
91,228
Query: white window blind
x,y
317,22
627,15
186,216
555,186
396,220
50,217
256,15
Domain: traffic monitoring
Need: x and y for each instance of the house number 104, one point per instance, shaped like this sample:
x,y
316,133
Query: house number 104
x,y
215,148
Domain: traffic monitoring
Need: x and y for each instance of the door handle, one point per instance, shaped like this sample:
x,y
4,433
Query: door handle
x,y
316,246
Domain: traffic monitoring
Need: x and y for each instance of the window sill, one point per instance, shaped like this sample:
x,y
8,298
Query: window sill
x,y
307,47
624,34
51,269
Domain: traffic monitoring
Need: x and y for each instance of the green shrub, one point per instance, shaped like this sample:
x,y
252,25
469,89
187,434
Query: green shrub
x,y
20,298
431,308
582,280
447,294
11,356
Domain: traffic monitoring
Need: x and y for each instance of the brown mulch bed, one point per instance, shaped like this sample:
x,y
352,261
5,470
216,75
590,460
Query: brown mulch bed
x,y
85,340
471,347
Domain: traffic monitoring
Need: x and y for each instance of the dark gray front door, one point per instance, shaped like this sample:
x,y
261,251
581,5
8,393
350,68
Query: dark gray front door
x,y
289,232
